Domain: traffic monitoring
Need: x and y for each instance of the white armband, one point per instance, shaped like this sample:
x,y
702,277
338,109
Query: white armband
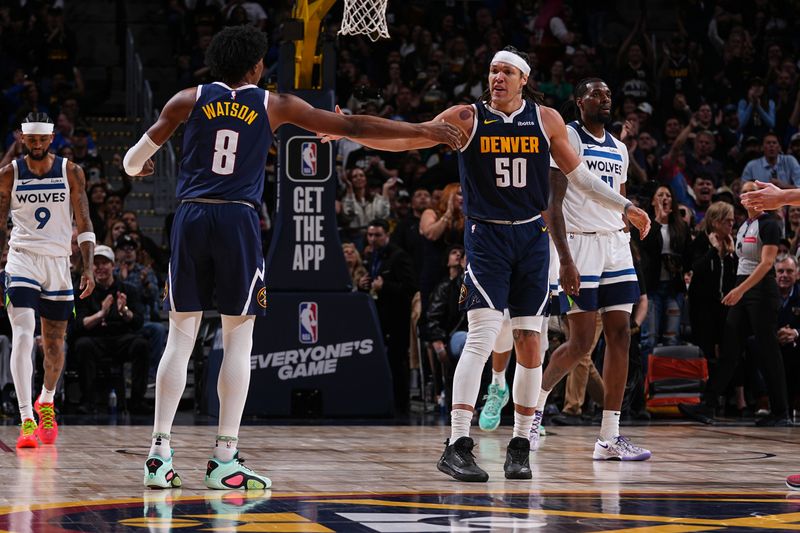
x,y
597,189
86,236
138,154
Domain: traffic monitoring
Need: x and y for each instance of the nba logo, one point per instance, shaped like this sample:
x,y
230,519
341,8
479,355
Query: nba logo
x,y
308,154
307,314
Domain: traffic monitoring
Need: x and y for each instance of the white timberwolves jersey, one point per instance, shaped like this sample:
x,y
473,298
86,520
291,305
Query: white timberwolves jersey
x,y
607,158
41,210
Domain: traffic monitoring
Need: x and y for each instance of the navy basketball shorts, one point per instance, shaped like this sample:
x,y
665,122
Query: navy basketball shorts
x,y
608,279
216,257
40,282
507,267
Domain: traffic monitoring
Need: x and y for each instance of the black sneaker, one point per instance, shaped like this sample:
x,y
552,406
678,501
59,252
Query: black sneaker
x,y
518,464
775,421
700,412
458,461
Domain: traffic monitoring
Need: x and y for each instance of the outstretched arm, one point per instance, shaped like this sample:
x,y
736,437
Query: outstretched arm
x,y
86,238
769,197
579,174
289,109
137,160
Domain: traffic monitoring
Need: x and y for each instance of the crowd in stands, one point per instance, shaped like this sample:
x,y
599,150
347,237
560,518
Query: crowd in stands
x,y
121,321
704,106
705,102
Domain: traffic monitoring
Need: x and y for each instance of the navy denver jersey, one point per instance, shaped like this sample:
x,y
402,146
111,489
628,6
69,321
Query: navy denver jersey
x,y
225,144
505,164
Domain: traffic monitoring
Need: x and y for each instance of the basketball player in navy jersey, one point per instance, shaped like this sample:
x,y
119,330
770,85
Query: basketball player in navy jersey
x,y
600,247
215,240
42,191
504,167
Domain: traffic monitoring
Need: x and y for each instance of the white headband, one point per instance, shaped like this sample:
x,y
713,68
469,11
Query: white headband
x,y
512,59
37,128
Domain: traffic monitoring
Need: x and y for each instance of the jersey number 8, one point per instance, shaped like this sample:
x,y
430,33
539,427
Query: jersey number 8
x,y
512,172
225,152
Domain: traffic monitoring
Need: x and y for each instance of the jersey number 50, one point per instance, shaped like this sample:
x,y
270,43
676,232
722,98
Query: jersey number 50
x,y
513,172
225,152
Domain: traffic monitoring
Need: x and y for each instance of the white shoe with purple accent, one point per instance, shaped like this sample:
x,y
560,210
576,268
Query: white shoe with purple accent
x,y
619,449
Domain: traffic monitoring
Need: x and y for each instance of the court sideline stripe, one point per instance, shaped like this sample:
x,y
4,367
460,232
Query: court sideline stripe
x,y
4,447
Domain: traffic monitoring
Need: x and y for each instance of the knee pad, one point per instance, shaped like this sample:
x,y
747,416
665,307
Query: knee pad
x,y
484,325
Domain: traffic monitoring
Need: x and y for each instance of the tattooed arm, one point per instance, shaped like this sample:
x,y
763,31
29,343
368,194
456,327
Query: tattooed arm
x,y
6,184
80,206
554,216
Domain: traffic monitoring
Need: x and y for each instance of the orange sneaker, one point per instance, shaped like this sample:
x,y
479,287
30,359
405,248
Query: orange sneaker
x,y
27,435
48,428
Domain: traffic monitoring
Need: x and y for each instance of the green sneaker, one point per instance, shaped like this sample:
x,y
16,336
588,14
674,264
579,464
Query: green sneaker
x,y
496,399
233,475
159,474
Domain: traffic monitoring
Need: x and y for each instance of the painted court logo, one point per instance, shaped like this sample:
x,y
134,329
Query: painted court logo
x,y
307,320
308,154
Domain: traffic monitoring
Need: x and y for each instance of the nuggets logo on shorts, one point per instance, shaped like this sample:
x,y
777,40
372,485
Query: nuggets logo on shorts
x,y
261,297
165,292
462,295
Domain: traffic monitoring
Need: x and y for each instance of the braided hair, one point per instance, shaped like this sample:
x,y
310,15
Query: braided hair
x,y
527,92
37,117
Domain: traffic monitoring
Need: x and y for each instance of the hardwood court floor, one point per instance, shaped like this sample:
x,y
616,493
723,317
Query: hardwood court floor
x,y
383,478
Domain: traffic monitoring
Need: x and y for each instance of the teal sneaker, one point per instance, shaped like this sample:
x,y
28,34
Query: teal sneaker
x,y
159,474
496,399
233,475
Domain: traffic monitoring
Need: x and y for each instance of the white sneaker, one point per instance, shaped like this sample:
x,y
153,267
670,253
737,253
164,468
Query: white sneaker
x,y
537,430
620,449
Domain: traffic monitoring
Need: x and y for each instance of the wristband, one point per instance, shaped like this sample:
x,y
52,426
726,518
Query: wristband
x,y
86,236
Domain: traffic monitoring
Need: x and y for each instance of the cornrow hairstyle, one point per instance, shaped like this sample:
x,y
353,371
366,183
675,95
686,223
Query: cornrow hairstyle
x,y
37,117
527,92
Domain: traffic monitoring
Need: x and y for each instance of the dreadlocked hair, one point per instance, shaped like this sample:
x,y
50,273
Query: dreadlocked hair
x,y
527,92
234,50
37,117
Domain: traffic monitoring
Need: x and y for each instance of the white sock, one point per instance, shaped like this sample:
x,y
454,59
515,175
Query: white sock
x,y
522,425
460,419
542,401
499,378
225,448
47,396
234,374
171,376
609,428
23,323
160,445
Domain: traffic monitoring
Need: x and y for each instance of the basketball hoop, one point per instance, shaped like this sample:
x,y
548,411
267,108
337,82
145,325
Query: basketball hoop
x,y
365,17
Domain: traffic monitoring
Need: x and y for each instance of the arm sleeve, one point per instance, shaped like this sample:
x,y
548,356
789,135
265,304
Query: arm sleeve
x,y
597,189
136,157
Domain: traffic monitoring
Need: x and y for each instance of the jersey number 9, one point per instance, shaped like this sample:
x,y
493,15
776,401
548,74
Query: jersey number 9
x,y
42,215
225,152
511,172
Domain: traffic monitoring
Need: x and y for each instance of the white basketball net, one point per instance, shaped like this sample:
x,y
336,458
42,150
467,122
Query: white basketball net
x,y
366,17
